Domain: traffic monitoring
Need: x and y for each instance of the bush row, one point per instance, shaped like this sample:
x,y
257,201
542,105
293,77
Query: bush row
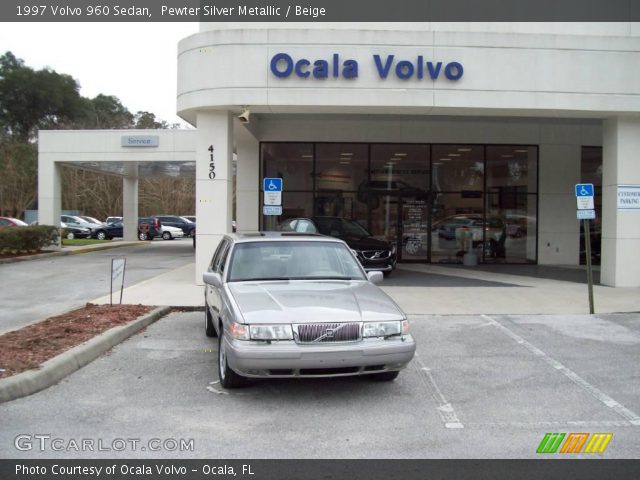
x,y
15,240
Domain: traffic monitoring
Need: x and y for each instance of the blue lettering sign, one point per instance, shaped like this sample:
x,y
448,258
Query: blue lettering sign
x,y
283,65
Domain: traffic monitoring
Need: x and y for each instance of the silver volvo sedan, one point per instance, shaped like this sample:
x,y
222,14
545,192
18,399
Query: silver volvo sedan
x,y
300,305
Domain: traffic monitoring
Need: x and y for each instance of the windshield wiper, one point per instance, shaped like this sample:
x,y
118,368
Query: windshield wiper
x,y
327,278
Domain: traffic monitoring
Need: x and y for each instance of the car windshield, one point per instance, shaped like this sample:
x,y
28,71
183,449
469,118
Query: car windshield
x,y
293,260
185,219
339,227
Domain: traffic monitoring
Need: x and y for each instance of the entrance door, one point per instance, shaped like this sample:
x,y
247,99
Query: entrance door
x,y
414,229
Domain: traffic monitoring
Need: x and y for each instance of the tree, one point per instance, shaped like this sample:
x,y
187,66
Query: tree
x,y
148,120
31,99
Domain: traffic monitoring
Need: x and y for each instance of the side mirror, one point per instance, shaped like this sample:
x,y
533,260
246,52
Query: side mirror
x,y
375,277
213,279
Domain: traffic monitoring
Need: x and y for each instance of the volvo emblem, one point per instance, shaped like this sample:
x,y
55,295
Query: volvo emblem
x,y
329,333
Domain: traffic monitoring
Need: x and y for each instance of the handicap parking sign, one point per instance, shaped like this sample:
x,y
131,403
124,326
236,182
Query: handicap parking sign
x,y
272,184
584,190
584,196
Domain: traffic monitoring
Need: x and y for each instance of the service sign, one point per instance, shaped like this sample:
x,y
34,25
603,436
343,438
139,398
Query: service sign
x,y
140,140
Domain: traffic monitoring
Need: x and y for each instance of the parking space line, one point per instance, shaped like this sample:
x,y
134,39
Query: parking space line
x,y
444,408
618,408
556,424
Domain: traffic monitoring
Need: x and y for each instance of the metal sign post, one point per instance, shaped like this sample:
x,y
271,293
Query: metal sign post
x,y
118,267
586,212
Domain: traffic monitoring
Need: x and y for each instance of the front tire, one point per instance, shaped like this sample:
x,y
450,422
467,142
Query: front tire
x,y
228,378
70,236
167,236
101,235
143,236
385,376
209,329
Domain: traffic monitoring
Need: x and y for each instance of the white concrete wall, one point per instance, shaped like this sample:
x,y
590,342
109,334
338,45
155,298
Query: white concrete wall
x,y
591,72
620,228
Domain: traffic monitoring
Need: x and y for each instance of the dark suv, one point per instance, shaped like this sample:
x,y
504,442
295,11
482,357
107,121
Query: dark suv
x,y
149,228
187,227
372,253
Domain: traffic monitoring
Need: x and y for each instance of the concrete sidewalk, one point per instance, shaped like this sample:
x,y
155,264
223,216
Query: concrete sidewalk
x,y
430,289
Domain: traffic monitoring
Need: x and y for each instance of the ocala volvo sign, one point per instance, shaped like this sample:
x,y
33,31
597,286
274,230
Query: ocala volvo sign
x,y
284,65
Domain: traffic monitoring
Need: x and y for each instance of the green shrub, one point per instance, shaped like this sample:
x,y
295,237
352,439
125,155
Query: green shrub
x,y
27,239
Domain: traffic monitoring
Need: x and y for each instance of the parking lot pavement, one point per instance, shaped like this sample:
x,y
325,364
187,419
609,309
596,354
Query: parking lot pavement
x,y
481,386
34,290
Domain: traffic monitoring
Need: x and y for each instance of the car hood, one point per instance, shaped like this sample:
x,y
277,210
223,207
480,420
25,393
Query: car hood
x,y
304,301
366,243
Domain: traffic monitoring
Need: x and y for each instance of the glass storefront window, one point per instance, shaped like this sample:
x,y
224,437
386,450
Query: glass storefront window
x,y
511,229
458,168
403,169
294,204
457,223
432,202
341,166
512,168
293,162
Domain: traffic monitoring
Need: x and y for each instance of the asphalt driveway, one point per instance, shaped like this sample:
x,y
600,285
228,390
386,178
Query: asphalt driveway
x,y
34,290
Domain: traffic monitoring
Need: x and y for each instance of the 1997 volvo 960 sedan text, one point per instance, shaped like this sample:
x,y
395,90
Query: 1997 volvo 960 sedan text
x,y
296,305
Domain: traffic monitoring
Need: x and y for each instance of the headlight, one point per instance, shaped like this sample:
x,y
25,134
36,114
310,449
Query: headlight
x,y
271,332
381,329
393,249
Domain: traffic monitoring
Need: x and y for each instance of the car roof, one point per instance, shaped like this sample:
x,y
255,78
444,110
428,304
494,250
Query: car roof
x,y
280,236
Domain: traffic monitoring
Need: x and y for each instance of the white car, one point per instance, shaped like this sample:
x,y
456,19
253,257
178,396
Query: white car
x,y
169,233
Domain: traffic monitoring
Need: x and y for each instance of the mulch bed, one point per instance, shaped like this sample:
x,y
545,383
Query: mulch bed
x,y
31,346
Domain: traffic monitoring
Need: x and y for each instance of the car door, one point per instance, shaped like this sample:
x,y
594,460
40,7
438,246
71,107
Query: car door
x,y
213,294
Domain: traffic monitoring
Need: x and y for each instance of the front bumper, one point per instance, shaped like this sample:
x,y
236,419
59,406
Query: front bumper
x,y
289,359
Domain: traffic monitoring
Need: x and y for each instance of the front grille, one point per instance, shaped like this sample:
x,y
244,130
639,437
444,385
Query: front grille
x,y
327,332
376,254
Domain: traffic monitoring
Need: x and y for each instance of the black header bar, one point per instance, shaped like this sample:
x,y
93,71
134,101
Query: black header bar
x,y
547,469
320,10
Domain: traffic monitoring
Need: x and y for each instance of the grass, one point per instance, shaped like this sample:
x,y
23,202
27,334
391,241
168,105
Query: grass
x,y
82,241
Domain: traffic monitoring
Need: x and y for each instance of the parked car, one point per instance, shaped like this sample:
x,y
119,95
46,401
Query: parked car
x,y
71,232
169,233
149,228
191,218
113,220
185,225
11,222
97,229
373,254
91,220
299,305
113,230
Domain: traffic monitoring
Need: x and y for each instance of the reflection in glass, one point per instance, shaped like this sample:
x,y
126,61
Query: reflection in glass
x,y
458,168
293,162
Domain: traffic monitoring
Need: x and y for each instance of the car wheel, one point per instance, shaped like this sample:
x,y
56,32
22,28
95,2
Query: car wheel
x,y
101,235
166,236
228,378
209,329
70,236
143,236
385,376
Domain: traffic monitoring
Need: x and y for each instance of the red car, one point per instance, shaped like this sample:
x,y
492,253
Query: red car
x,y
11,222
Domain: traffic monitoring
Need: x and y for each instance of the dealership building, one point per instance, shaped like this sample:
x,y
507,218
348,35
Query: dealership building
x,y
421,132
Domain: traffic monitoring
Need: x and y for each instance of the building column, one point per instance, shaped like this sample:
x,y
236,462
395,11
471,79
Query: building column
x,y
247,180
130,202
620,252
214,194
49,192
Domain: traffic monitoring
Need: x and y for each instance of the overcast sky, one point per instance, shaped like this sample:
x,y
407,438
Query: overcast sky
x,y
135,62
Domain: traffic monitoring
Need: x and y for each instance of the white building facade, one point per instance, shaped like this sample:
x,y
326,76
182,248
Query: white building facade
x,y
409,128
